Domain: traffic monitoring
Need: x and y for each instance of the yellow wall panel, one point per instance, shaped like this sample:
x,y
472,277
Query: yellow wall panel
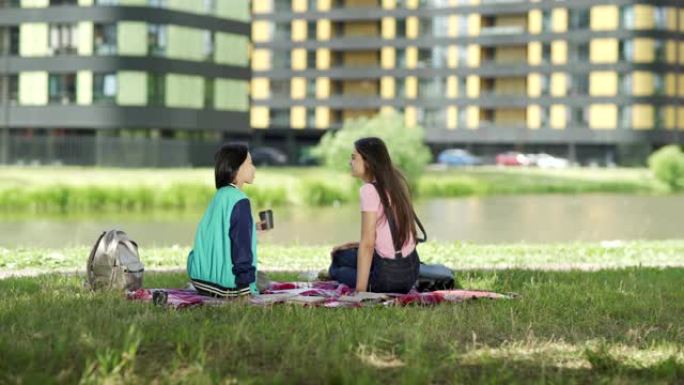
x,y
322,117
558,116
261,31
322,88
644,16
298,56
411,57
298,117
534,53
259,116
298,5
605,17
473,117
298,88
473,55
535,21
389,28
387,87
410,116
452,59
534,85
604,51
452,117
642,117
387,57
642,83
260,88
411,87
261,7
644,50
474,25
261,59
559,20
298,30
670,118
473,86
389,4
411,27
559,84
603,116
533,117
323,30
559,52
323,58
603,83
452,87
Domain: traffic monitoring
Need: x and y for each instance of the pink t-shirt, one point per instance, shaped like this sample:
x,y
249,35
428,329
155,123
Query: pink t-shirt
x,y
370,202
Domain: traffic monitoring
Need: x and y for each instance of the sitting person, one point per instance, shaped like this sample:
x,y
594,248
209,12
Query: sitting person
x,y
223,261
385,260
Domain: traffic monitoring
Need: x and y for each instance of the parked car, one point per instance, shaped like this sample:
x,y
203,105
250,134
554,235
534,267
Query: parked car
x,y
268,156
512,158
458,157
548,161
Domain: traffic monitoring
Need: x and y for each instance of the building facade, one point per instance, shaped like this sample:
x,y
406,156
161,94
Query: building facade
x,y
595,80
122,82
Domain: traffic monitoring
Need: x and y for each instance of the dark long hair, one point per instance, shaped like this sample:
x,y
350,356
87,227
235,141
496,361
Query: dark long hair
x,y
391,185
228,160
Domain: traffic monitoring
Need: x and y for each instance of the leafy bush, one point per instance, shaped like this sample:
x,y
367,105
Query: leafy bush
x,y
406,144
667,164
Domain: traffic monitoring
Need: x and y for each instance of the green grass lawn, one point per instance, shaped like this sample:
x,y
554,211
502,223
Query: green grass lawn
x,y
610,327
73,189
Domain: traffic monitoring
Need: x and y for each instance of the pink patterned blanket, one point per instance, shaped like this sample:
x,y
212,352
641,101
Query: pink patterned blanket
x,y
319,294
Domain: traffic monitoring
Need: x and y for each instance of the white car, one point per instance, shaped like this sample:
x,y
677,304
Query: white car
x,y
548,161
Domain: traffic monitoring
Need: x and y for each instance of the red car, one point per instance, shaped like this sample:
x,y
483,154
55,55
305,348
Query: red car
x,y
512,158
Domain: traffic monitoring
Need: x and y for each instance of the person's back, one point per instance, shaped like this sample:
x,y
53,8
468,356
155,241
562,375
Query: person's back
x,y
211,260
223,261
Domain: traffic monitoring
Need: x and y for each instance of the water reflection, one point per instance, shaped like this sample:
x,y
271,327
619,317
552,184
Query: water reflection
x,y
505,219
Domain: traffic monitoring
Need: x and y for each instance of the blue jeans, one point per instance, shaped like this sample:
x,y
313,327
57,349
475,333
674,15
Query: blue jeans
x,y
386,275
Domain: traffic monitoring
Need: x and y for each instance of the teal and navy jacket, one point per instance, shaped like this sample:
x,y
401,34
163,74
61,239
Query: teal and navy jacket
x,y
224,255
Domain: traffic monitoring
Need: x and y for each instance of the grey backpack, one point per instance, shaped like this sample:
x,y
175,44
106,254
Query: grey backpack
x,y
114,263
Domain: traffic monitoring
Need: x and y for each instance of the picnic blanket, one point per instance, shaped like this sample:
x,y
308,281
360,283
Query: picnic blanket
x,y
314,294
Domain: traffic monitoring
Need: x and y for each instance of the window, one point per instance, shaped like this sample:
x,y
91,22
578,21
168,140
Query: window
x,y
660,14
579,19
311,117
311,88
9,89
156,89
62,88
659,116
209,93
280,59
401,57
658,84
626,50
462,55
462,25
157,3
462,87
280,88
432,87
547,21
104,88
546,52
578,116
209,6
440,57
580,84
462,117
659,52
63,2
433,3
311,59
156,39
9,41
10,3
625,116
401,28
627,17
311,30
281,6
279,117
544,116
432,117
580,51
104,39
424,58
283,31
209,45
106,2
63,39
625,83
545,83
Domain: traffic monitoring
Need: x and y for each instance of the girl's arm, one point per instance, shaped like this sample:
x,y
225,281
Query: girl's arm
x,y
366,249
241,244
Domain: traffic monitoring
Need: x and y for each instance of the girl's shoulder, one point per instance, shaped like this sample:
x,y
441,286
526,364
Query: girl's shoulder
x,y
368,188
230,192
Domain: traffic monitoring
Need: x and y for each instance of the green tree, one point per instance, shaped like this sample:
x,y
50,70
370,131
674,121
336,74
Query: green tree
x,y
405,144
667,164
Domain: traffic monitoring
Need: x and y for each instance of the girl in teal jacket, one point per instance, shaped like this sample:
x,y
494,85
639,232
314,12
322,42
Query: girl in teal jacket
x,y
223,261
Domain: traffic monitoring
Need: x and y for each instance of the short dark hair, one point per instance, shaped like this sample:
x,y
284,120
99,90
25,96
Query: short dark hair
x,y
228,160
